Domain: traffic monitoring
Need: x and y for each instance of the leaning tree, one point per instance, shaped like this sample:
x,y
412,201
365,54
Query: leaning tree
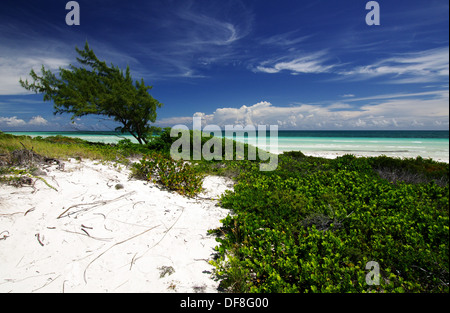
x,y
94,88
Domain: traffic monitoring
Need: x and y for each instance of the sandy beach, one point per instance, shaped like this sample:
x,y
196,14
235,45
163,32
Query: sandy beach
x,y
99,231
334,155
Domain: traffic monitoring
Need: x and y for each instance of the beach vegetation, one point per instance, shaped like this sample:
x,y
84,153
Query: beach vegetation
x,y
314,224
176,175
95,88
19,177
163,142
62,147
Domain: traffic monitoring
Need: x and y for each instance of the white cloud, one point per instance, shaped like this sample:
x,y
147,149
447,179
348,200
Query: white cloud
x,y
414,67
172,121
310,63
16,64
288,39
397,112
12,121
15,122
197,36
360,123
38,121
417,67
207,30
435,93
339,105
23,49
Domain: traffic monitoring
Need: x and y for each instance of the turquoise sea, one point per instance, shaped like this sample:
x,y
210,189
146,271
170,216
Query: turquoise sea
x,y
427,144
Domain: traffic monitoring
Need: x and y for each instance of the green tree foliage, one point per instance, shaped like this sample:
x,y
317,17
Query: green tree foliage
x,y
98,89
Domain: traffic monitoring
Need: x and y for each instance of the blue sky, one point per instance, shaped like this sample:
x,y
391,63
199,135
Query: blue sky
x,y
297,64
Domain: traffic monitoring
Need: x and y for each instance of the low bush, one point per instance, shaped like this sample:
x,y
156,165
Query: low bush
x,y
179,175
313,225
163,142
411,170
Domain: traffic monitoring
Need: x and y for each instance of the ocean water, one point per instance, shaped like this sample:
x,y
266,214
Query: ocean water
x,y
427,144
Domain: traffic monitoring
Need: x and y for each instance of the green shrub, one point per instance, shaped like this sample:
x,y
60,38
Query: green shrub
x,y
179,175
163,142
411,170
314,229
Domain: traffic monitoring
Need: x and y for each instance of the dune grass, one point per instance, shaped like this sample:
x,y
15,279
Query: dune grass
x,y
60,147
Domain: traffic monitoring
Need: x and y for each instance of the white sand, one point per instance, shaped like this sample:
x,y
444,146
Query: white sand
x,y
108,240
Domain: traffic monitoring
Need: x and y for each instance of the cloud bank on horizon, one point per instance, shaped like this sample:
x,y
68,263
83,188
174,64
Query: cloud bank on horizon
x,y
298,65
389,112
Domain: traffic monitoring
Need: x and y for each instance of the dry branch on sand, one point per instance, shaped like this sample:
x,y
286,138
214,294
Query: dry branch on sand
x,y
91,205
114,245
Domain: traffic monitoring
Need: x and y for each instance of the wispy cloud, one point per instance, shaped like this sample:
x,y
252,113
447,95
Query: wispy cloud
x,y
289,39
23,49
17,64
20,52
306,63
207,30
414,67
194,37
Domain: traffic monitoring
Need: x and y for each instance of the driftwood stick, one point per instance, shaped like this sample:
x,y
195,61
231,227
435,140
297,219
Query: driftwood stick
x,y
93,204
86,234
116,244
29,210
161,239
6,235
39,239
